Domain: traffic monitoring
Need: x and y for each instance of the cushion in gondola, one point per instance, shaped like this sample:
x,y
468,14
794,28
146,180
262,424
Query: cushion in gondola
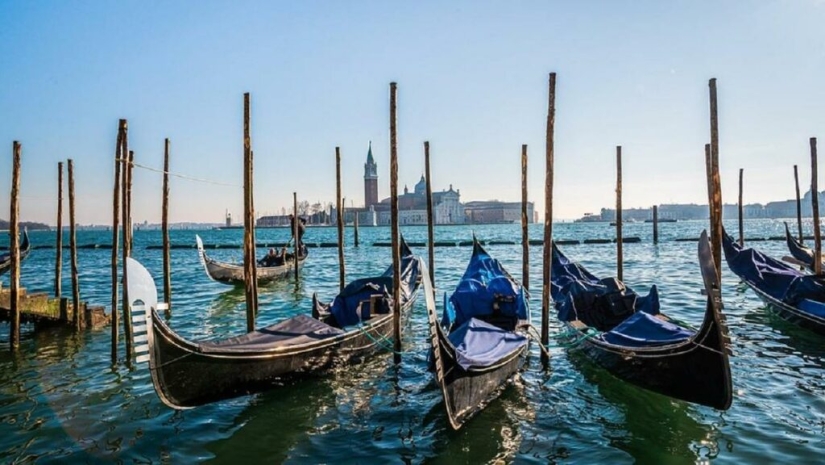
x,y
642,329
479,344
299,329
813,307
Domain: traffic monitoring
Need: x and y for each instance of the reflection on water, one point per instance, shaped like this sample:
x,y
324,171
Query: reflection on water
x,y
61,400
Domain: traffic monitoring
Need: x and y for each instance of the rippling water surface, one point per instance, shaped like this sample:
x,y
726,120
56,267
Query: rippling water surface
x,y
60,398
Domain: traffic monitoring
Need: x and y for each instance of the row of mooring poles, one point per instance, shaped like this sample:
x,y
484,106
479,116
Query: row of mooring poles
x,y
339,220
250,272
815,208
396,252
119,155
548,218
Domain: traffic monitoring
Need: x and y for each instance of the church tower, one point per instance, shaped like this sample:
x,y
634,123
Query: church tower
x,y
370,180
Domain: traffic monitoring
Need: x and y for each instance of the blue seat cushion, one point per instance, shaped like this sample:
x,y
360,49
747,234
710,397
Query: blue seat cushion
x,y
642,329
480,344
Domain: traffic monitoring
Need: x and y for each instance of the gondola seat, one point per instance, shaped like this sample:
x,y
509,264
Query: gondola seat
x,y
300,329
813,307
643,330
480,344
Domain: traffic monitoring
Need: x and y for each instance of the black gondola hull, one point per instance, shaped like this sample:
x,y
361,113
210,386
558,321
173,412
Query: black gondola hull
x,y
791,314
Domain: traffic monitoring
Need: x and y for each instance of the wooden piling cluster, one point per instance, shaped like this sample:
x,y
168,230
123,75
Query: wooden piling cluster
x,y
430,214
619,251
815,207
14,247
525,239
396,251
548,218
250,272
339,220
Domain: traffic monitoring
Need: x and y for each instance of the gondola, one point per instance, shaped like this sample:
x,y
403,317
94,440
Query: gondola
x,y
627,334
232,274
25,248
476,346
186,374
793,294
800,254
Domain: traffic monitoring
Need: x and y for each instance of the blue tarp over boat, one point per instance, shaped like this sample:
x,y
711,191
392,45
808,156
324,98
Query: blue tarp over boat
x,y
779,280
624,317
480,344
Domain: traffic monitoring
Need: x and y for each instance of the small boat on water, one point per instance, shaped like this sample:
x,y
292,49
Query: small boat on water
x,y
627,334
792,294
233,274
357,324
800,254
476,346
25,248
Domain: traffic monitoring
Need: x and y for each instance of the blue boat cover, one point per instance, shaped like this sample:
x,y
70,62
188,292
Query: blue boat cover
x,y
345,306
484,285
480,344
579,295
644,330
777,279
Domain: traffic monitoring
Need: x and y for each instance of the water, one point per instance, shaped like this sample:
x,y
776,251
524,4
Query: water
x,y
61,400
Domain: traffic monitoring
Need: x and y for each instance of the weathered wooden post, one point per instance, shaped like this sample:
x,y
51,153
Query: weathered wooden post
x,y
741,215
396,250
58,262
14,248
716,233
815,207
339,220
250,276
798,205
73,250
619,251
295,231
430,214
119,154
548,220
167,256
127,248
525,239
655,224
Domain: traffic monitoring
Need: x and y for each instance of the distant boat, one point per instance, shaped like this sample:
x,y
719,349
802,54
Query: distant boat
x,y
662,220
629,220
589,218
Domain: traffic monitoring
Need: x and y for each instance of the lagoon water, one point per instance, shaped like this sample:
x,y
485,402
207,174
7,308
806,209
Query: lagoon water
x,y
61,400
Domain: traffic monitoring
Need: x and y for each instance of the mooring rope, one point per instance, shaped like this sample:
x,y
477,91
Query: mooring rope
x,y
181,176
589,333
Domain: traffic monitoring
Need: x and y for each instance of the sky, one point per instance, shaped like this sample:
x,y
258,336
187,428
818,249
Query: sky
x,y
472,80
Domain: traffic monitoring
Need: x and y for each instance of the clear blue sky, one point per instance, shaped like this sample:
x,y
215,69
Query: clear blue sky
x,y
472,80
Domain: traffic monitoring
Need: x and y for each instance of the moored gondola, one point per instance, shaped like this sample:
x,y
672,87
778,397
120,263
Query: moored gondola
x,y
25,248
186,374
233,274
627,334
795,296
476,348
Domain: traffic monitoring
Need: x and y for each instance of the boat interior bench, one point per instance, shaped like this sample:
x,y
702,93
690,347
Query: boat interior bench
x,y
300,329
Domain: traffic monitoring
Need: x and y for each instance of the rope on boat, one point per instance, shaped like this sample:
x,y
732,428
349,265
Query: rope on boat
x,y
588,334
383,341
182,176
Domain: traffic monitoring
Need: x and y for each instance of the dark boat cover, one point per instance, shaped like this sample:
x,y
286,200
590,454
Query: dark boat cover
x,y
625,317
779,280
480,344
299,329
345,306
484,289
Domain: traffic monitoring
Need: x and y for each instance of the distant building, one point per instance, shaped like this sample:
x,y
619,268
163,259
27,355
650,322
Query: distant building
x,y
494,211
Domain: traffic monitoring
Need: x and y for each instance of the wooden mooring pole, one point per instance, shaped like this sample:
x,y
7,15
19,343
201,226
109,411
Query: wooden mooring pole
x,y
355,232
741,211
73,250
655,224
58,262
167,256
127,247
396,251
119,154
716,232
430,213
815,207
14,248
339,220
250,277
548,219
798,205
525,239
619,251
296,231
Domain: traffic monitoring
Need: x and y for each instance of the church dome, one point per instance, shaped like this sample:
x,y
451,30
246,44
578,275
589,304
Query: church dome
x,y
421,186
